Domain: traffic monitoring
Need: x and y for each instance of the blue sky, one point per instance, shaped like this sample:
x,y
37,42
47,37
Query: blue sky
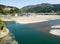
x,y
21,3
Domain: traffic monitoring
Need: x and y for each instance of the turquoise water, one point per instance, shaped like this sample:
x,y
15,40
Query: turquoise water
x,y
26,35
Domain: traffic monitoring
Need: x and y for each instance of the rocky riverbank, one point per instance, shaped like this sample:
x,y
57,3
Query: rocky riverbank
x,y
4,33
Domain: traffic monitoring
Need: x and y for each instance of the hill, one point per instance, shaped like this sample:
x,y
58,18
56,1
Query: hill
x,y
42,8
8,9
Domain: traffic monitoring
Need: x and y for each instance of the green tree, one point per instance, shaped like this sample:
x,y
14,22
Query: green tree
x,y
1,24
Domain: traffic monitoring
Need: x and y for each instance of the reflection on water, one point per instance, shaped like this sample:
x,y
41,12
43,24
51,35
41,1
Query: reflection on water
x,y
9,39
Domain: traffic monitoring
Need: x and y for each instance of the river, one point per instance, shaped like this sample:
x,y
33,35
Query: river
x,y
25,35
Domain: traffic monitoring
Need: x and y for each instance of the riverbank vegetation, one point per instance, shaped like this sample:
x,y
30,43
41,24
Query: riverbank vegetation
x,y
2,25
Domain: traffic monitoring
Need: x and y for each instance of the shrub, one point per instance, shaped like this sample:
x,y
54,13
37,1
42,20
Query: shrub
x,y
1,24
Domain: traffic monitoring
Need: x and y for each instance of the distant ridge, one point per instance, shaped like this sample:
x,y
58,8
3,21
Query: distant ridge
x,y
42,8
38,8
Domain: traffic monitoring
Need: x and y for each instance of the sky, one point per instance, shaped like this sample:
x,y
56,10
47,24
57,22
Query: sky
x,y
22,3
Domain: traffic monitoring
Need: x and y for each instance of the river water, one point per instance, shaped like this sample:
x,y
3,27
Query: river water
x,y
22,34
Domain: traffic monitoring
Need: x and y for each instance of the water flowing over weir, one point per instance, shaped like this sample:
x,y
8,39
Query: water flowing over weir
x,y
22,34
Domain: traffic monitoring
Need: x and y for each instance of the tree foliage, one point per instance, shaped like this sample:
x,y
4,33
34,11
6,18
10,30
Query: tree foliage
x,y
1,24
